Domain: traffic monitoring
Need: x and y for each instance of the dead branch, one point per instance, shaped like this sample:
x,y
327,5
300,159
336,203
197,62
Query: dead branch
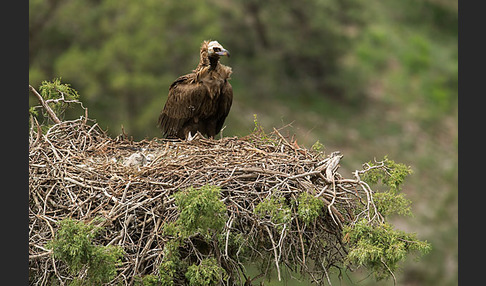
x,y
48,109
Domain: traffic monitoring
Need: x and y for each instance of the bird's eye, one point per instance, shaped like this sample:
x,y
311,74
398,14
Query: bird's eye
x,y
216,49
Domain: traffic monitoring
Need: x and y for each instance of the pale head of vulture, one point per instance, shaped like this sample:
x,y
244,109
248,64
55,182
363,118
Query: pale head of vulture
x,y
216,49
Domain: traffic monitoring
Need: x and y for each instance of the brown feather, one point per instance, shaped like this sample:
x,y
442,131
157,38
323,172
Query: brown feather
x,y
199,101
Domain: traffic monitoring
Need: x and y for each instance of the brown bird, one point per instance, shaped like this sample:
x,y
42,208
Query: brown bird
x,y
199,101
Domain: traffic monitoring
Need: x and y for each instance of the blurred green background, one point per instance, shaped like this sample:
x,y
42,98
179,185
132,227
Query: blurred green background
x,y
367,78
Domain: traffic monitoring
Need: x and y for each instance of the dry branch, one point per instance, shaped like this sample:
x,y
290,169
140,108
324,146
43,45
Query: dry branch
x,y
49,111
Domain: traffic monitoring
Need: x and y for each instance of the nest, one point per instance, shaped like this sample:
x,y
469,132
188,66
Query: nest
x,y
78,171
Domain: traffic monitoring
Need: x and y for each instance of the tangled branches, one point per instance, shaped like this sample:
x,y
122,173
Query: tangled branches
x,y
77,171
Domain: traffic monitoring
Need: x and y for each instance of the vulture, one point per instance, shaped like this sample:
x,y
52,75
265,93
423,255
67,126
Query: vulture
x,y
199,101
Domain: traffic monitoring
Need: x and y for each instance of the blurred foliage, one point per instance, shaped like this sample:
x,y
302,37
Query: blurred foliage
x,y
368,78
122,56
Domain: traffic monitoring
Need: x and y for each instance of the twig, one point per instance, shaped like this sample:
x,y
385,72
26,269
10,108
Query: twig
x,y
48,109
391,272
275,254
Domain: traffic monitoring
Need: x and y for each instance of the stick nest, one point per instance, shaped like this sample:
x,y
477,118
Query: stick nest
x,y
77,171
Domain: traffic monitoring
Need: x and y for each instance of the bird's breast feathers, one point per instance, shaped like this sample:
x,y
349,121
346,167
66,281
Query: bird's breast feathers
x,y
212,82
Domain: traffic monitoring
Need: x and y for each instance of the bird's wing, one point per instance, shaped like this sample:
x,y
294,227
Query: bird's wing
x,y
224,104
183,103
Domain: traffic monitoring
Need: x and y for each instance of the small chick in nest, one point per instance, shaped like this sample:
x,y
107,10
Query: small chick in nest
x,y
138,159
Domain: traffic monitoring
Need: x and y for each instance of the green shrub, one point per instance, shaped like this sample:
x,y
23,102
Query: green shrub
x,y
376,244
201,211
380,247
391,175
207,273
73,244
58,94
276,208
309,207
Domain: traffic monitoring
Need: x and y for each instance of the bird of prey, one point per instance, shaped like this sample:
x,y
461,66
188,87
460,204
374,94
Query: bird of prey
x,y
199,101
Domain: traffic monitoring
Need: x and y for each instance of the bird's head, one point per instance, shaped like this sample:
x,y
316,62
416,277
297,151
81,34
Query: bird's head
x,y
215,49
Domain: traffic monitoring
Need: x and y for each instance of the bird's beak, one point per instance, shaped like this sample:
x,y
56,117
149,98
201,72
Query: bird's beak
x,y
223,52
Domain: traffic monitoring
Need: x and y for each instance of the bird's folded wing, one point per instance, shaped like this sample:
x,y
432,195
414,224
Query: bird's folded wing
x,y
184,99
224,105
183,103
226,99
